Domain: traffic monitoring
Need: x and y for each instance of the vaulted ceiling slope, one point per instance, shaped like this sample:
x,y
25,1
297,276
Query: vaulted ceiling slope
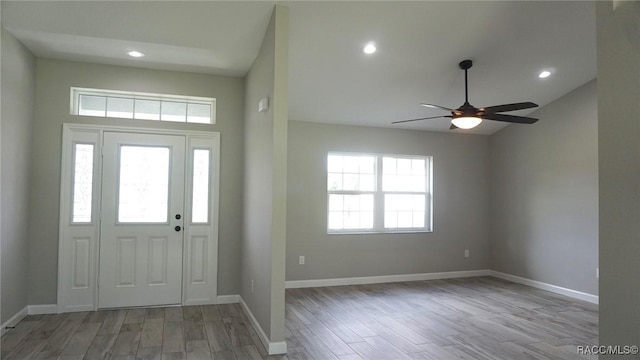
x,y
419,45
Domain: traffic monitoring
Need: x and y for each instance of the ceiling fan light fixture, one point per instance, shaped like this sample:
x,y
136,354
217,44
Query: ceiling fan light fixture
x,y
466,122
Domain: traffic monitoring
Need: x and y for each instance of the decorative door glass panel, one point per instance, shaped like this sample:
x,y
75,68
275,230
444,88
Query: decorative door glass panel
x,y
82,183
200,199
143,184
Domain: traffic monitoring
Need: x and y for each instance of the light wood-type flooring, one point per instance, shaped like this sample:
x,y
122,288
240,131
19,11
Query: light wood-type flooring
x,y
473,318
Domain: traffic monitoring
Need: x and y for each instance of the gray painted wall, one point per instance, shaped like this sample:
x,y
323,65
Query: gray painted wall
x,y
18,97
544,194
53,80
265,182
258,170
460,203
619,162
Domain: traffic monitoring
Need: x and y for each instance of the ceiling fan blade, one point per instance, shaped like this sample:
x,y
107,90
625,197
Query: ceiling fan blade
x,y
510,118
452,127
509,107
431,117
436,107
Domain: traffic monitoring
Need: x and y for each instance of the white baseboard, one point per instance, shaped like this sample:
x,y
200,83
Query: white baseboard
x,y
194,302
76,308
595,299
42,309
294,284
228,299
14,320
273,348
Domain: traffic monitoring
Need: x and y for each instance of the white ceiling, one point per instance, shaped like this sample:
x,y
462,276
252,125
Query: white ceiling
x,y
331,80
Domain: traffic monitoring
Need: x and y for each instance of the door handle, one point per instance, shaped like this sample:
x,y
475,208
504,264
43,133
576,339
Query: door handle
x,y
178,228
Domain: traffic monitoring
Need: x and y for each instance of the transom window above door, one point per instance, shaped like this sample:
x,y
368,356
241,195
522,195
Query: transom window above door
x,y
142,106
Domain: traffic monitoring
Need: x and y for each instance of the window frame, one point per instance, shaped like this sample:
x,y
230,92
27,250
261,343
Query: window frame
x,y
379,195
77,92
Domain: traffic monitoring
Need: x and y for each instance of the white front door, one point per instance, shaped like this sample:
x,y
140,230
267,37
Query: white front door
x,y
142,220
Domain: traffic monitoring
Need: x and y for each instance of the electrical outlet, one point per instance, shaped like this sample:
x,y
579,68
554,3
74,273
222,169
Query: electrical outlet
x,y
466,253
252,286
301,260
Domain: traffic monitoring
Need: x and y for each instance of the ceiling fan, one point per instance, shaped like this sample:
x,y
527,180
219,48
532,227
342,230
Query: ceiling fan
x,y
468,116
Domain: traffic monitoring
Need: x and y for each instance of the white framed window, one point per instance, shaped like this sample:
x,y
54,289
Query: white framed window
x,y
142,106
373,193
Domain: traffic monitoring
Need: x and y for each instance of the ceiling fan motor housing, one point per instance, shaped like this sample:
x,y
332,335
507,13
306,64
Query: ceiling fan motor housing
x,y
465,64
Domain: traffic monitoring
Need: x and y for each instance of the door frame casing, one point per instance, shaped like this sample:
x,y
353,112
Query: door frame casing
x,y
78,244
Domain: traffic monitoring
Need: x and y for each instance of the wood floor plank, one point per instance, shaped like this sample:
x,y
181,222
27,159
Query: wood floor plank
x,y
224,355
330,339
395,338
385,348
152,332
153,313
192,313
194,330
399,327
247,352
351,357
46,326
55,343
96,316
81,339
300,353
25,350
112,322
128,339
173,337
228,311
237,332
434,352
16,335
102,347
211,313
135,316
218,339
314,346
70,357
198,350
252,333
149,353
173,313
174,356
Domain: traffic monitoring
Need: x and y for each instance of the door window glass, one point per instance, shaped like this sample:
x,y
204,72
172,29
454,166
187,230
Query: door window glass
x,y
143,184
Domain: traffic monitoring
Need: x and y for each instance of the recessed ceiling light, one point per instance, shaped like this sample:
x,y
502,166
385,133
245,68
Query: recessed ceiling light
x,y
370,48
136,54
544,74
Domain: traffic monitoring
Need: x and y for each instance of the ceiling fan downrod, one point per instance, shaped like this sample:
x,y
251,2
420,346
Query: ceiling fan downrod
x,y
466,65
